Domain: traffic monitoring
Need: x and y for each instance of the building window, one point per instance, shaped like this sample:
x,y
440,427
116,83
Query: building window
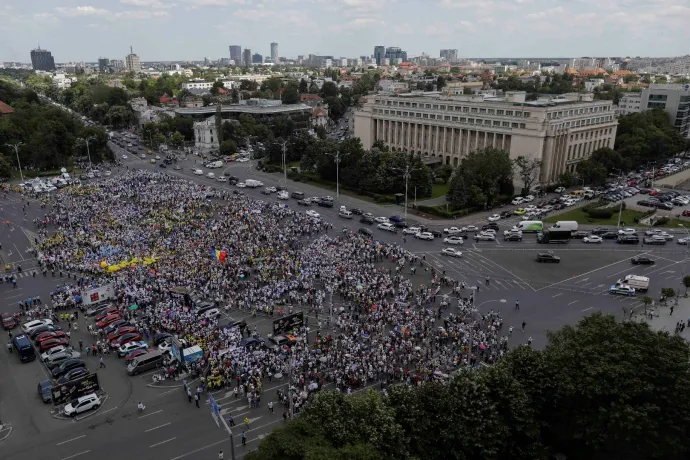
x,y
497,123
446,118
500,112
526,114
418,115
506,124
435,107
443,107
426,115
474,110
482,110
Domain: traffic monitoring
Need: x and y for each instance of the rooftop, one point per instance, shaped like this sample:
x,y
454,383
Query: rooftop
x,y
252,109
5,109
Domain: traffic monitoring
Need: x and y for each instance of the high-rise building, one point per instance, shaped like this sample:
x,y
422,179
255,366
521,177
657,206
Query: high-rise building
x,y
247,57
42,60
257,58
379,54
674,99
449,55
236,54
395,55
103,64
132,62
274,52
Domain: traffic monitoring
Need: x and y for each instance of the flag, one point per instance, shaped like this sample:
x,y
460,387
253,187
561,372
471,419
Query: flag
x,y
215,253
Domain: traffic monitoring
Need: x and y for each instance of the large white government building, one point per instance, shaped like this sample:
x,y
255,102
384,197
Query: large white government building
x,y
560,131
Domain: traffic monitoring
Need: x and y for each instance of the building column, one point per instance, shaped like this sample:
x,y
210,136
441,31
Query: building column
x,y
424,137
503,141
460,150
486,138
467,146
476,140
452,141
444,149
493,141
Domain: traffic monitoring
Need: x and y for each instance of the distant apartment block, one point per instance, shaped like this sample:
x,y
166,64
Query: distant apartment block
x,y
674,99
274,52
132,62
236,54
450,55
42,60
247,57
629,103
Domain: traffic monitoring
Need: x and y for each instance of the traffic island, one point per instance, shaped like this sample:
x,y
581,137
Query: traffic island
x,y
58,412
5,431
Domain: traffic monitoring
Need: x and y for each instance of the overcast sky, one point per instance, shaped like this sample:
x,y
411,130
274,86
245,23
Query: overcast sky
x,y
83,30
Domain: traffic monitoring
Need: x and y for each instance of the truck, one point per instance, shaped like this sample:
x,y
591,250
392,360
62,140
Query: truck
x,y
569,225
551,235
640,283
530,226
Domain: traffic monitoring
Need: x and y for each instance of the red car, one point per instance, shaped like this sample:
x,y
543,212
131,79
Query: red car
x,y
49,335
130,337
130,357
50,343
8,321
120,332
107,320
686,213
106,312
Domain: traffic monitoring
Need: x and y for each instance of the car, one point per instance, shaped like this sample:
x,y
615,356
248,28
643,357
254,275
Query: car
x,y
560,190
131,346
197,172
79,405
45,391
8,321
453,230
133,354
630,239
125,338
124,157
366,220
365,231
283,196
243,159
519,211
395,219
160,338
107,320
31,325
411,230
50,343
162,165
453,240
66,366
470,228
381,220
490,225
506,214
600,230
115,325
304,203
356,211
666,235
387,226
312,213
57,359
530,208
46,328
153,161
528,199
627,231
111,310
548,257
622,289
592,239
49,335
685,240
424,236
72,375
222,179
485,236
516,201
120,331
642,260
451,252
177,168
53,351
211,175
494,217
512,236
654,239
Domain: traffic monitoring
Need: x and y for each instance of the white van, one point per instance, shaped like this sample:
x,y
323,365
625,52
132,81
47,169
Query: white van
x,y
530,226
566,225
640,283
251,183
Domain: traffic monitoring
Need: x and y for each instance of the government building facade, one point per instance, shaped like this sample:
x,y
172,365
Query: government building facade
x,y
560,131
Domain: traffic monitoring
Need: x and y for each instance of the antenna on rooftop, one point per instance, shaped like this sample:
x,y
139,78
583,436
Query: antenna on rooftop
x,y
131,50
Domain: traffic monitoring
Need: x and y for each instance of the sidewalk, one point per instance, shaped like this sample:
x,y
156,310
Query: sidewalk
x,y
667,321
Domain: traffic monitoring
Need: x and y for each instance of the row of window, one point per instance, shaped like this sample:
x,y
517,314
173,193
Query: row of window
x,y
595,134
470,121
578,151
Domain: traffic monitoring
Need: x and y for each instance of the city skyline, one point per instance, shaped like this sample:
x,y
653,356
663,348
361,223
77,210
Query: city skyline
x,y
163,30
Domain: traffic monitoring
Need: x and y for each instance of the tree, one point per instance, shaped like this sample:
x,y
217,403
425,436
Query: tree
x,y
647,301
216,87
486,174
303,86
610,159
686,283
329,90
528,170
5,167
669,293
590,172
228,147
291,94
177,139
444,172
440,83
235,95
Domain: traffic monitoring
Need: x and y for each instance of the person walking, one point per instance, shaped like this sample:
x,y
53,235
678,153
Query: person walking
x,y
244,438
523,326
517,305
189,395
101,363
196,399
487,280
270,406
231,421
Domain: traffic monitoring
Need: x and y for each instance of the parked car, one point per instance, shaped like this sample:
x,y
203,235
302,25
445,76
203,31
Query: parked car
x,y
79,405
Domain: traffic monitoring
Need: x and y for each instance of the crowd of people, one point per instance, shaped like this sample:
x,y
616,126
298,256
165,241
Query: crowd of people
x,y
368,320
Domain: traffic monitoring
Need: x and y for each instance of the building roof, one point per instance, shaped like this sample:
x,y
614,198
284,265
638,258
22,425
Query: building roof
x,y
5,109
310,97
243,108
318,112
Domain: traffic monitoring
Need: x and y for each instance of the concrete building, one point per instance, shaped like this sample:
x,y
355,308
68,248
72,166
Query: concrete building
x,y
132,62
62,81
257,58
379,54
629,103
560,131
449,55
395,55
103,64
192,86
393,86
274,53
236,54
247,58
42,60
674,99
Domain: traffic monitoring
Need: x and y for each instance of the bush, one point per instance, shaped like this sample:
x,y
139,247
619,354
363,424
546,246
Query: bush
x,y
660,222
440,210
600,213
644,216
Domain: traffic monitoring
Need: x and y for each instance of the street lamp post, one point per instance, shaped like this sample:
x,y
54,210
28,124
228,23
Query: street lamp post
x,y
685,260
284,162
407,174
337,157
16,152
88,150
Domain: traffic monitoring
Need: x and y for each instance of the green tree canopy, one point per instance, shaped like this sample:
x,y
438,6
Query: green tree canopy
x,y
481,178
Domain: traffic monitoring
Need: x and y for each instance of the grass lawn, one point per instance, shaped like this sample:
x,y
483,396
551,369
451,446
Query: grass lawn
x,y
579,216
439,190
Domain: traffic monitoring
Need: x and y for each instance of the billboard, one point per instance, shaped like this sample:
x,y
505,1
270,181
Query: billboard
x,y
288,323
75,389
98,294
175,347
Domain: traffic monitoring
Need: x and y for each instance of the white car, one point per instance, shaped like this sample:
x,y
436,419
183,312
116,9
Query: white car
x,y
470,228
452,252
627,231
241,185
411,230
283,195
485,237
79,405
684,240
517,200
242,160
211,175
494,218
527,199
592,239
381,220
129,145
560,190
387,226
131,346
452,230
158,157
107,173
31,325
198,172
490,230
530,208
312,213
53,351
222,179
453,240
124,157
142,156
164,346
271,189
424,236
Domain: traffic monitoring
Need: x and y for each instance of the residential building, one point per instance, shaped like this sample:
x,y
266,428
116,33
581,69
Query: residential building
x,y
62,81
169,101
192,101
117,64
674,99
103,64
247,61
257,58
393,86
42,60
236,54
379,54
629,103
395,55
132,62
5,110
449,55
559,131
319,117
274,52
593,83
196,85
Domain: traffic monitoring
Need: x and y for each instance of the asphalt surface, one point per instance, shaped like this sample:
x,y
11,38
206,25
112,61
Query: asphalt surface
x,y
550,295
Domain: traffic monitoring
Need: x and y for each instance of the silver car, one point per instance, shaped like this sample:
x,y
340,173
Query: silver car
x,y
58,358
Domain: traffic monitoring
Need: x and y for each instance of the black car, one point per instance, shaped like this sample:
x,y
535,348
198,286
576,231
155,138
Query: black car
x,y
642,260
67,366
356,211
325,203
365,231
512,237
437,233
366,220
629,239
490,225
548,257
665,206
579,235
44,391
506,214
45,328
609,235
401,224
162,165
600,230
72,374
304,203
160,338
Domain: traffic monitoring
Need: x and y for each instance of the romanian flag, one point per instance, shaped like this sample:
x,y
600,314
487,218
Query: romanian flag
x,y
215,253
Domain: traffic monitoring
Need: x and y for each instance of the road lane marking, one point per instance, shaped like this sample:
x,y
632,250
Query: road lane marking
x,y
162,442
560,293
77,455
581,281
70,440
169,391
586,309
156,427
582,274
225,439
152,413
575,301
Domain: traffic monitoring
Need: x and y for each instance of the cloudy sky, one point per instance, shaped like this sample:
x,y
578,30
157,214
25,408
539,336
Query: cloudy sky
x,y
83,30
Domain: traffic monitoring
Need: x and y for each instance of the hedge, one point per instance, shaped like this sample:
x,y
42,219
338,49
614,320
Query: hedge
x,y
660,222
600,213
440,210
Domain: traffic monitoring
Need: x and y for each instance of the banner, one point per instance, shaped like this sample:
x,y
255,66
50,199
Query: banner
x,y
98,294
75,389
288,323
